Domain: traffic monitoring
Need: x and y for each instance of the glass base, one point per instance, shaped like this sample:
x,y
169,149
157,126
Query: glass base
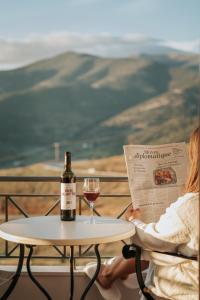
x,y
91,220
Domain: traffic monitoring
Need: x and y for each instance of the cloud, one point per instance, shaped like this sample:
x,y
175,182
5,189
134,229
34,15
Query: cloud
x,y
35,47
20,52
188,46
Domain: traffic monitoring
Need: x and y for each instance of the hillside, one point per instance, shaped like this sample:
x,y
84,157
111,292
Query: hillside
x,y
93,105
170,117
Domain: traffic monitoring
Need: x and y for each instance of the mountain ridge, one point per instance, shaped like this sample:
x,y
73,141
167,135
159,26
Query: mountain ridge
x,y
102,45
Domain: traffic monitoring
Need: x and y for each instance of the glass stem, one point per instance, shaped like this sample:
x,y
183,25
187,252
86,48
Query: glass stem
x,y
92,211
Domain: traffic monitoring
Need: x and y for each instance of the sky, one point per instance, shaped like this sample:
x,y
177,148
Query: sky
x,y
33,29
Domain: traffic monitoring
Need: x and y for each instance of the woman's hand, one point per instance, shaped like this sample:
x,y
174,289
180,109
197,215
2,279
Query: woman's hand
x,y
132,213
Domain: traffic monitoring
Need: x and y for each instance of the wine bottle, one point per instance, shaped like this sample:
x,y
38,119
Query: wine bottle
x,y
68,191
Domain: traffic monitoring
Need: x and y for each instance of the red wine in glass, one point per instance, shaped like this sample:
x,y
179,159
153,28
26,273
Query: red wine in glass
x,y
91,196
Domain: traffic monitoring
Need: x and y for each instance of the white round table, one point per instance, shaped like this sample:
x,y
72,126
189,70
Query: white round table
x,y
50,230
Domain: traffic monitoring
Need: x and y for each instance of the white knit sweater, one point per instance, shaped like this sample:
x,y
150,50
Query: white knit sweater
x,y
176,231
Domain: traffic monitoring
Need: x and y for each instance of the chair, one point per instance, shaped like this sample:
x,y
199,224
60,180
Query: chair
x,y
134,251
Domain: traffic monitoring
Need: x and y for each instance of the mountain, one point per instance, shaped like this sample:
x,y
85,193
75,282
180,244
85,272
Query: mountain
x,y
93,105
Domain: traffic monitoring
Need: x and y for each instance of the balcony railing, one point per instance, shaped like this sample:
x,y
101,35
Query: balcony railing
x,y
12,199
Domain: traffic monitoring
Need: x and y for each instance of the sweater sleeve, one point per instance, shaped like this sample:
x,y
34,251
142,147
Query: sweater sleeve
x,y
165,235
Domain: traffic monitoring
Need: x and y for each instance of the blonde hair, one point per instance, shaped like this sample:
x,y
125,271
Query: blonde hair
x,y
192,183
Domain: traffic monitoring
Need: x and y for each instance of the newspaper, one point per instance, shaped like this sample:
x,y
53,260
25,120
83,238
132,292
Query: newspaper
x,y
156,176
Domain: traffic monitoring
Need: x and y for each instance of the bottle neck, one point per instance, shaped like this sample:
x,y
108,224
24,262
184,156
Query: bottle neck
x,y
67,164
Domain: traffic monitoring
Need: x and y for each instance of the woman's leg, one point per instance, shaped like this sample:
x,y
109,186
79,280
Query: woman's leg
x,y
119,269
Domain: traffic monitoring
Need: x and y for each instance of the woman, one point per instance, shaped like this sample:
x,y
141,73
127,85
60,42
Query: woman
x,y
176,231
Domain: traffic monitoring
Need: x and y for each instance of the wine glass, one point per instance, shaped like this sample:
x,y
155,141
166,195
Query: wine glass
x,y
91,191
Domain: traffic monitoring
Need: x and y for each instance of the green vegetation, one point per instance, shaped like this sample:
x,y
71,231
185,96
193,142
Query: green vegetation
x,y
93,106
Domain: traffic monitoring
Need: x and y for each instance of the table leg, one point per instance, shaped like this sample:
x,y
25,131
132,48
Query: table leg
x,y
95,274
71,272
31,275
17,274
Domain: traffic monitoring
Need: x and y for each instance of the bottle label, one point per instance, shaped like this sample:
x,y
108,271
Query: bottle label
x,y
68,196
